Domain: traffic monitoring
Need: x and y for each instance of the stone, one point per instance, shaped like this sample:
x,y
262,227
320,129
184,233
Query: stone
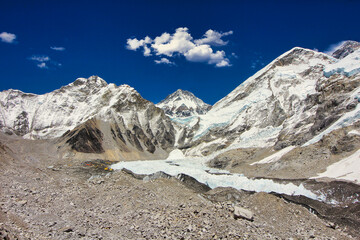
x,y
243,213
22,202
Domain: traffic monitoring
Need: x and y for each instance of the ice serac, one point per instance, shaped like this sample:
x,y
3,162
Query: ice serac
x,y
183,103
91,117
286,103
346,48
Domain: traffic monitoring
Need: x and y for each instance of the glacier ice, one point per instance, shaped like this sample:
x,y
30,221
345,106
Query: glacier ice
x,y
197,169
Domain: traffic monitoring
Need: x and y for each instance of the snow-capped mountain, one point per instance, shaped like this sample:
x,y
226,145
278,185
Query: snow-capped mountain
x,y
295,100
93,117
346,48
183,104
291,101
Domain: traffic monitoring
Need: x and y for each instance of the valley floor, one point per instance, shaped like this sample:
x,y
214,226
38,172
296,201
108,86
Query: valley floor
x,y
45,197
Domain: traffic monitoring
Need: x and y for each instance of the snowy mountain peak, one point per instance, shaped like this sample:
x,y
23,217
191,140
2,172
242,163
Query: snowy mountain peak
x,y
298,55
51,114
185,92
183,103
93,81
277,101
346,48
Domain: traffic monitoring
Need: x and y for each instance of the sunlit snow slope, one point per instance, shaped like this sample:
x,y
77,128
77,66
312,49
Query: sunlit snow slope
x,y
288,102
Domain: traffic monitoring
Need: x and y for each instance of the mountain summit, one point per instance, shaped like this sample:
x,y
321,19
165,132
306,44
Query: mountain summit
x,y
90,117
183,103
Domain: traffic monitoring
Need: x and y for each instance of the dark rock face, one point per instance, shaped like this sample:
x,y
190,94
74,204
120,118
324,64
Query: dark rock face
x,y
21,124
124,135
91,136
345,49
276,117
87,139
193,184
219,162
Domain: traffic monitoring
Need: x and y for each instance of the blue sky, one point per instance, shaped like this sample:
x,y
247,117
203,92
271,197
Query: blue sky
x,y
47,44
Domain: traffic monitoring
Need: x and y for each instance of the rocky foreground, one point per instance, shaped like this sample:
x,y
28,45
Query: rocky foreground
x,y
46,197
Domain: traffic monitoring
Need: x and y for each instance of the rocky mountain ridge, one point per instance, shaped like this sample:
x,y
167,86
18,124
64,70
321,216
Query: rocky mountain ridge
x,y
90,116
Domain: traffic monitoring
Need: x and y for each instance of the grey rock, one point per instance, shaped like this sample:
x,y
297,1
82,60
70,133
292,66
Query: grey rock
x,y
240,212
345,49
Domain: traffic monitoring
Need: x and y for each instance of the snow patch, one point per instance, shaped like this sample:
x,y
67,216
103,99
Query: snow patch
x,y
176,154
354,132
346,169
275,157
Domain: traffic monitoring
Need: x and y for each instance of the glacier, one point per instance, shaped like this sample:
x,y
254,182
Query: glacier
x,y
196,168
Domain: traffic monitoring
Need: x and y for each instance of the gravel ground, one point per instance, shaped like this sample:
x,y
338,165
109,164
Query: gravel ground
x,y
45,197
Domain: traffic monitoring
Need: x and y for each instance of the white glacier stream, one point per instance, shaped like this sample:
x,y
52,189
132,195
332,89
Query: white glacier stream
x,y
196,168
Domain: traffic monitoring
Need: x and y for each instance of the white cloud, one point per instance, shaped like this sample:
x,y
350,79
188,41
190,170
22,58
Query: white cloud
x,y
39,58
42,65
223,63
181,43
333,47
58,48
7,37
212,37
164,38
164,61
147,51
204,53
44,62
134,44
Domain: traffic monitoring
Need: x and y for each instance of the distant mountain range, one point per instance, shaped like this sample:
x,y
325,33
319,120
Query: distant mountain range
x,y
294,101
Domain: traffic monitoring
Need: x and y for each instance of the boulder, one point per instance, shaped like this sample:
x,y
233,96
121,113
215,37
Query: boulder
x,y
240,212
